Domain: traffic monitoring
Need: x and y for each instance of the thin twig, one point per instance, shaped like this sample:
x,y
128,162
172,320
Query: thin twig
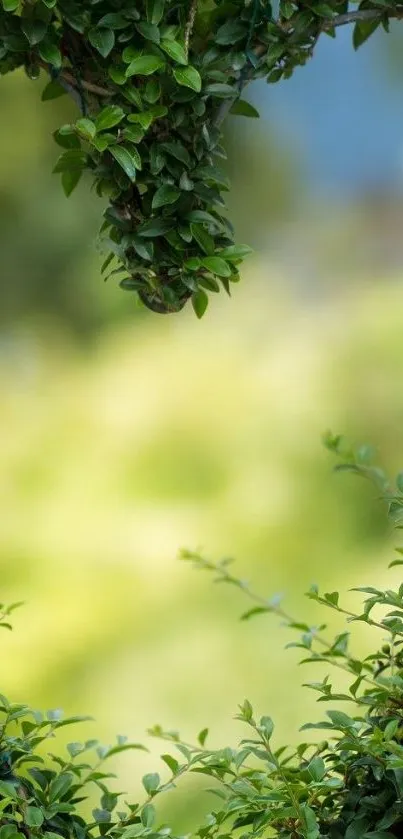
x,y
92,88
190,25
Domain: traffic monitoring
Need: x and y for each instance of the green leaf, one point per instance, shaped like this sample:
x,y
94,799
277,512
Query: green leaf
x,y
86,128
177,150
332,598
10,5
126,160
144,249
233,253
74,749
70,179
149,31
185,183
114,20
340,719
156,227
102,39
175,51
102,141
212,175
202,736
71,159
222,91
151,782
231,32
202,217
203,238
7,789
155,10
266,725
317,768
378,834
133,133
59,786
101,816
165,194
144,119
199,302
53,90
117,72
144,65
362,31
33,817
147,815
9,831
152,91
109,117
50,53
311,829
193,263
34,30
188,77
217,266
244,109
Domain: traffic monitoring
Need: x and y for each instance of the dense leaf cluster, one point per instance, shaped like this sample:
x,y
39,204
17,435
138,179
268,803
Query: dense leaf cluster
x,y
154,81
348,786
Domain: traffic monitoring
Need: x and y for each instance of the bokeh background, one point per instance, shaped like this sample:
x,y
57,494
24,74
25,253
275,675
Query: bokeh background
x,y
125,436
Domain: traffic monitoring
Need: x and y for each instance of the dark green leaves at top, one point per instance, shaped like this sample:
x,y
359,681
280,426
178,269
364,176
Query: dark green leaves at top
x,y
149,80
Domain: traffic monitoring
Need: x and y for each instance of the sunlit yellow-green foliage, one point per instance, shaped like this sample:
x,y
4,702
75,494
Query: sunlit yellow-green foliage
x,y
165,433
169,435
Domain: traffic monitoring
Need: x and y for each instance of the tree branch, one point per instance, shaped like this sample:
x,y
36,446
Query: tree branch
x,y
359,16
362,16
92,88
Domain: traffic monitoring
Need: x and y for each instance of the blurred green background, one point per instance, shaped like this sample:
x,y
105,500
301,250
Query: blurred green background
x,y
125,436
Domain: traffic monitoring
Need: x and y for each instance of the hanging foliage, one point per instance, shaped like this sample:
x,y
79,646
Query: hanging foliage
x,y
154,81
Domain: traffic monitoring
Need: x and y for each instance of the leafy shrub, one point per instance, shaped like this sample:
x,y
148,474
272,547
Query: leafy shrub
x,y
348,786
154,82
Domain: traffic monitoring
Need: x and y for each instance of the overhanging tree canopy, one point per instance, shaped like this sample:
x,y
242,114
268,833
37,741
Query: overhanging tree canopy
x,y
154,81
